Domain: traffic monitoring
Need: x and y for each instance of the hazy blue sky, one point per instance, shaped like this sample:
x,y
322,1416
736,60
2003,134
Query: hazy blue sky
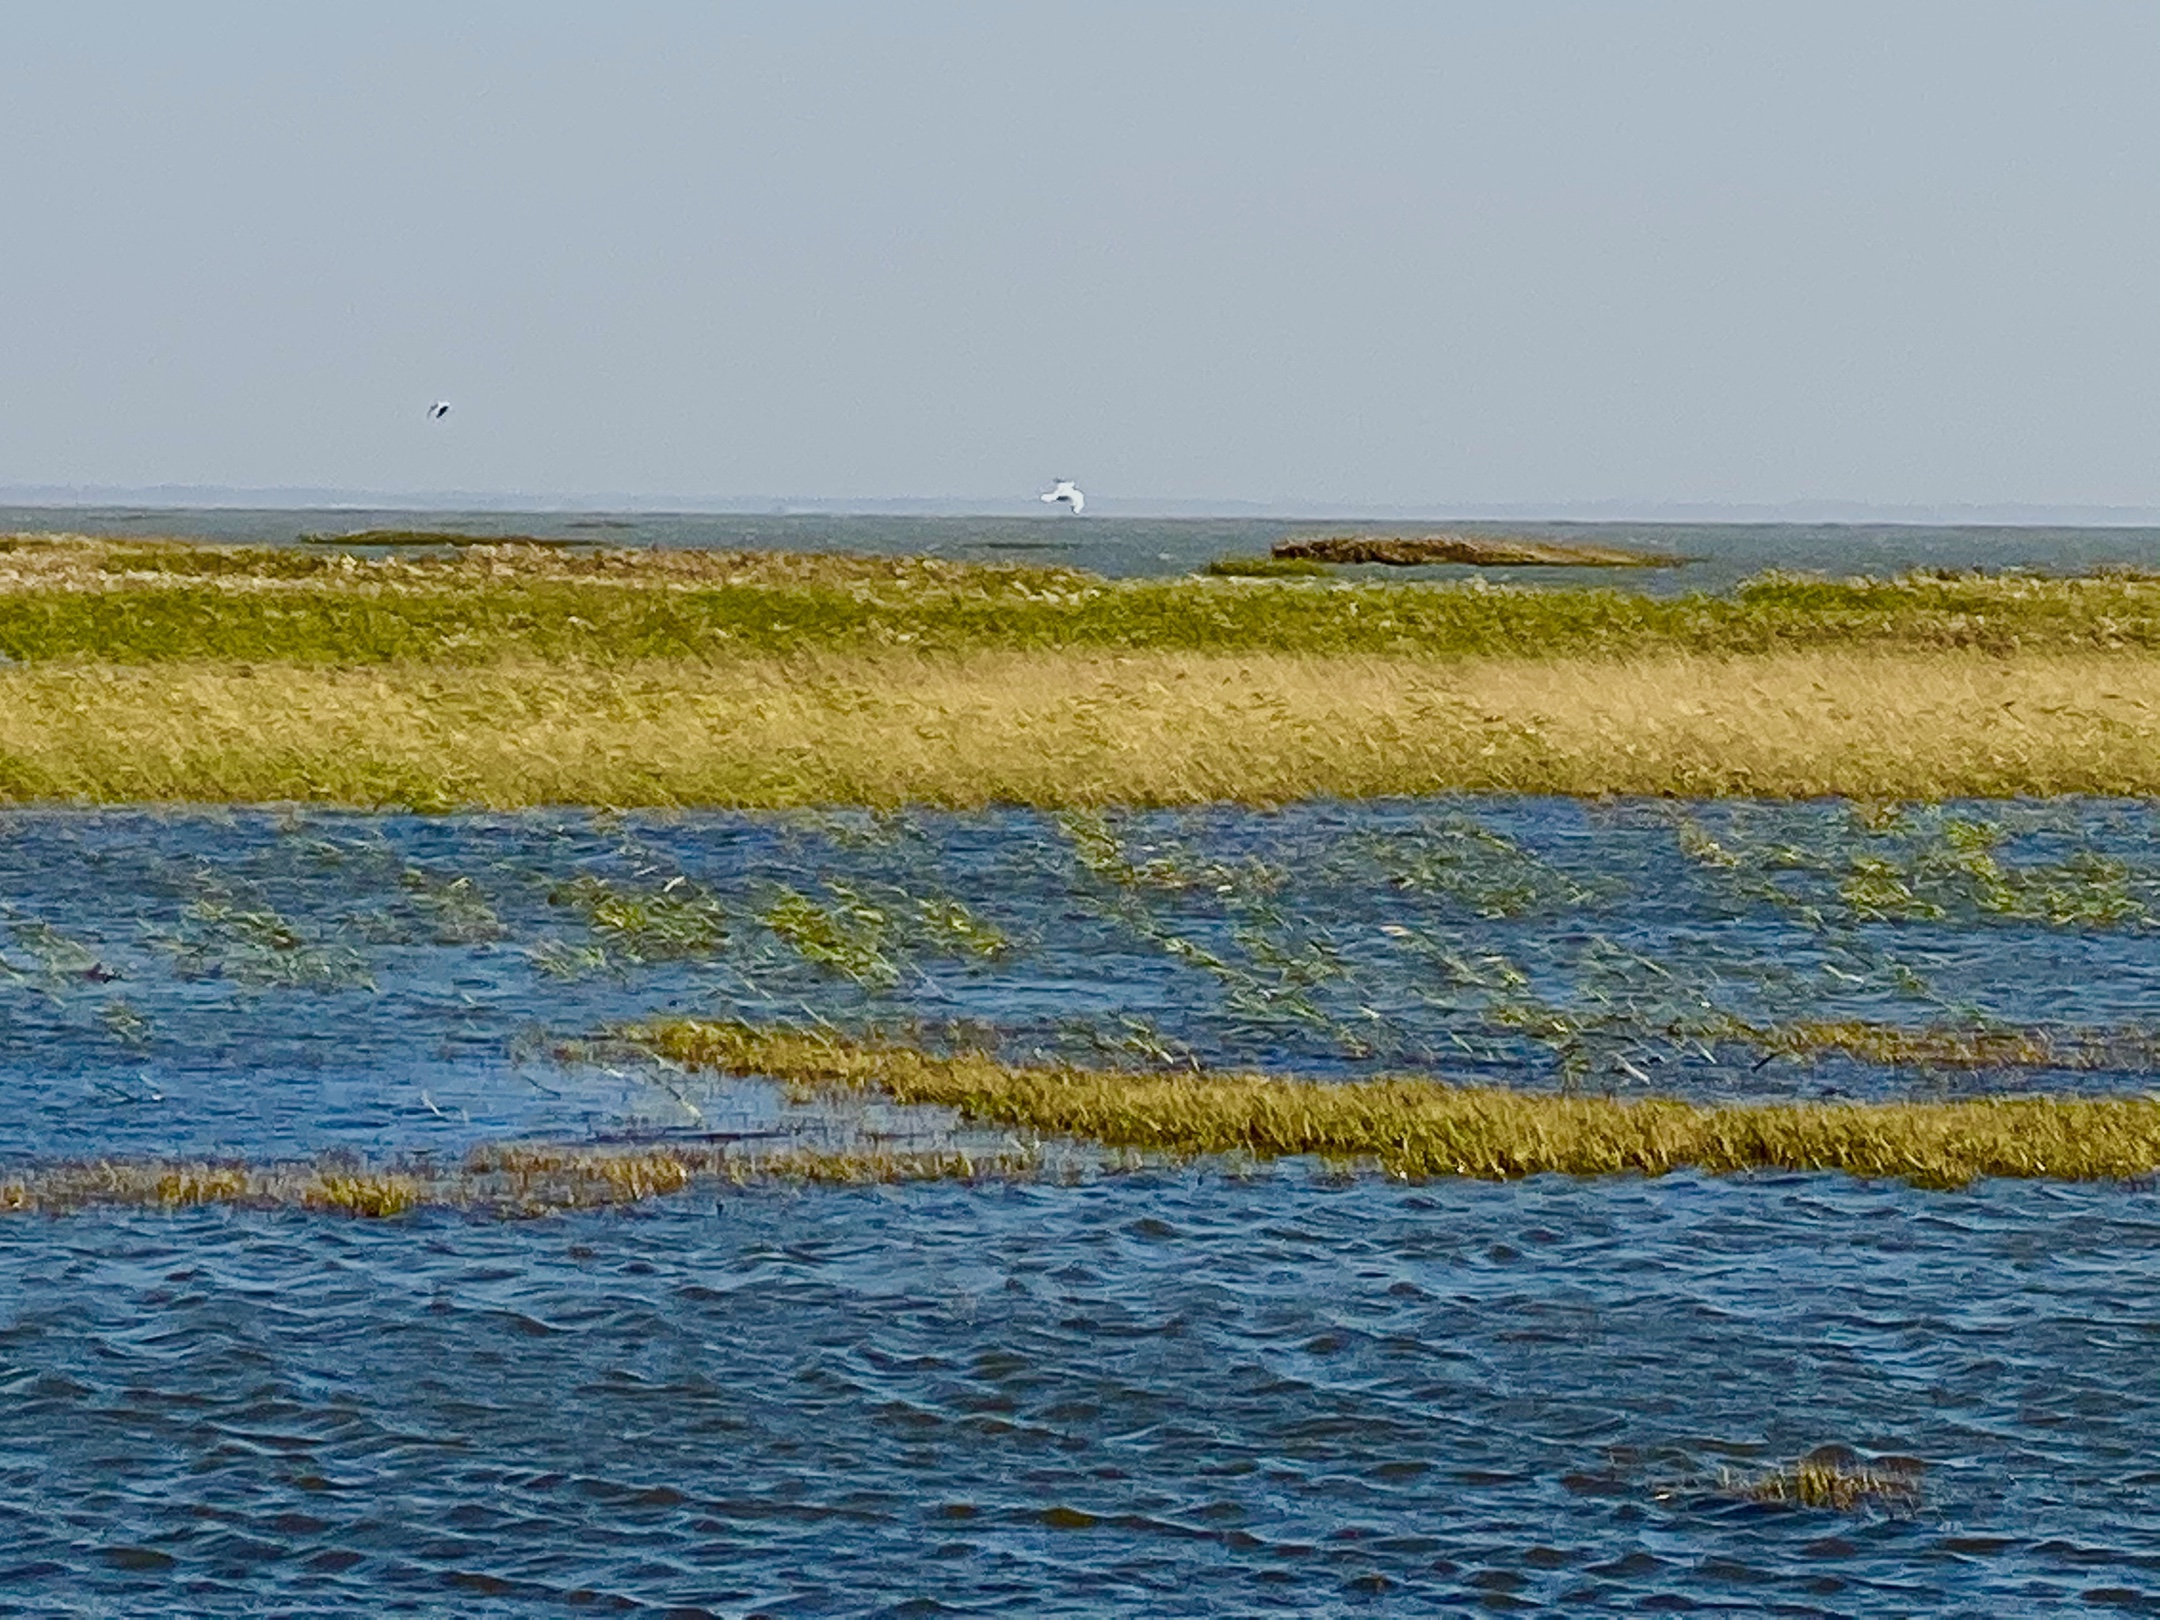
x,y
1384,254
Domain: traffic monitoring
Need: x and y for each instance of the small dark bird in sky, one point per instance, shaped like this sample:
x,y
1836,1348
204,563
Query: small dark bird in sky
x,y
438,410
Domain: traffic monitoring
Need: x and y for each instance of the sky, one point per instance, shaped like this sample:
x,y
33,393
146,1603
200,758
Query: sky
x,y
1424,255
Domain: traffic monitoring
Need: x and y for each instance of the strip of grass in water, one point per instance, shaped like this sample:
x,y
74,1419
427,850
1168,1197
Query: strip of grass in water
x,y
1422,1128
132,602
1062,730
507,1178
1265,568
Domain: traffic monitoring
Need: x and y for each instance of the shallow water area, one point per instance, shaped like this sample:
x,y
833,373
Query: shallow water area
x,y
1186,1391
285,983
281,983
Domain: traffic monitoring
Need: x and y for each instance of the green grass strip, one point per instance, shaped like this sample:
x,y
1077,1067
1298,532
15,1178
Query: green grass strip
x,y
145,604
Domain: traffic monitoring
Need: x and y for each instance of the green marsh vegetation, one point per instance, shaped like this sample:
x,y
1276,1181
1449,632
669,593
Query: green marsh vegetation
x,y
144,602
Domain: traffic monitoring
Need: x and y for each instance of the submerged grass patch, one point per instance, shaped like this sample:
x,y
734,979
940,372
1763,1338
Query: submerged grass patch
x,y
1420,1128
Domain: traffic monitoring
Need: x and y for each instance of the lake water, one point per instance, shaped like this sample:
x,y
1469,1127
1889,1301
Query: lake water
x,y
1721,553
1176,1391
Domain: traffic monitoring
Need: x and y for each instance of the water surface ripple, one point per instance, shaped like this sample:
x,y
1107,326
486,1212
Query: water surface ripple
x,y
1166,1394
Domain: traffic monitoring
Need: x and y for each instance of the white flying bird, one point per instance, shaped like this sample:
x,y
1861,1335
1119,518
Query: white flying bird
x,y
437,411
1068,492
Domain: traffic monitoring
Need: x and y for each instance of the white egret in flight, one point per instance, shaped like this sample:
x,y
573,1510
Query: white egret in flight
x,y
1068,492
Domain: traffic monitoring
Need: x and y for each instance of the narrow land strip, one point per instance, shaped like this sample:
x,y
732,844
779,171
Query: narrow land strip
x,y
1424,1128
1074,729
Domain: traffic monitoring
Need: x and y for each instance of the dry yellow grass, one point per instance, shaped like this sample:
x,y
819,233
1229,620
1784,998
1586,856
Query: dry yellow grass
x,y
1075,728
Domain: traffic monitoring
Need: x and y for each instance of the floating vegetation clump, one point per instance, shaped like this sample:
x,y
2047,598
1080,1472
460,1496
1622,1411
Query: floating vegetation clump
x,y
1836,1478
454,910
1421,1128
867,933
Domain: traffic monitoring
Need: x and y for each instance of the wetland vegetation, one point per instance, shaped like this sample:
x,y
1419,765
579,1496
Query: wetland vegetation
x,y
508,675
1417,1128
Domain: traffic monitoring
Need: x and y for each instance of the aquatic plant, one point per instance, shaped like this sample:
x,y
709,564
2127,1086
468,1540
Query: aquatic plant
x,y
1417,1128
1919,862
226,933
867,932
848,938
677,919
1836,1478
454,910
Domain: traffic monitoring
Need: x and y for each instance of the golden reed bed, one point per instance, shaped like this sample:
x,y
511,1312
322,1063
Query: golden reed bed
x,y
1065,727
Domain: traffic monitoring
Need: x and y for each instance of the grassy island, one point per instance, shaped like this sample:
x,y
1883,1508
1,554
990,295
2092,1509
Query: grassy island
x,y
511,674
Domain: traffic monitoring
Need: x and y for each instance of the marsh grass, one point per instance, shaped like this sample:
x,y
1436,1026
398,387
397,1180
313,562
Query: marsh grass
x,y
515,674
431,537
1422,1128
140,602
1073,730
521,1178
1265,568
669,922
1925,863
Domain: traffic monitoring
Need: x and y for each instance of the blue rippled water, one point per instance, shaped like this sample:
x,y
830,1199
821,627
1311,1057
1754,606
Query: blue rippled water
x,y
1169,1392
1163,1395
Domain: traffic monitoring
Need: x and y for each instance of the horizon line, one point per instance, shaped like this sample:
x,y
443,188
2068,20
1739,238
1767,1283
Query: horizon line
x,y
210,497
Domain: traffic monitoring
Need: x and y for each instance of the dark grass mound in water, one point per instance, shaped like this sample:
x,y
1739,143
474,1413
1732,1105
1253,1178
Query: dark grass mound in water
x,y
1265,568
1481,550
